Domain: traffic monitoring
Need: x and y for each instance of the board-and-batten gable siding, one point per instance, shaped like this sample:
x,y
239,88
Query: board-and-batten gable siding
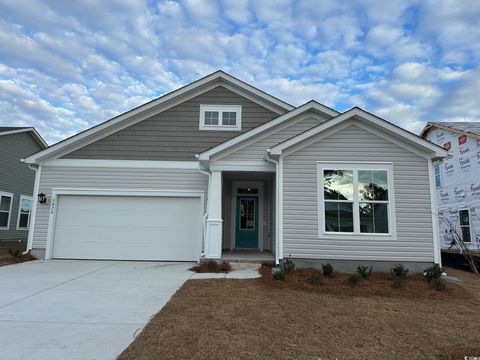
x,y
110,178
174,135
256,150
15,176
412,200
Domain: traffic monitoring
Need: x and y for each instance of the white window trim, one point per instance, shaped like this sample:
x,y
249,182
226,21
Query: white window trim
x,y
439,164
221,108
26,197
2,193
356,235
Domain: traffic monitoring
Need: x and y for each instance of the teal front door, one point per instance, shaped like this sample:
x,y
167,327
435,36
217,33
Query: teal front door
x,y
247,222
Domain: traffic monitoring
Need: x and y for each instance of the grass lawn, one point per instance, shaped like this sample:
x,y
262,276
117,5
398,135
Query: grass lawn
x,y
265,319
6,257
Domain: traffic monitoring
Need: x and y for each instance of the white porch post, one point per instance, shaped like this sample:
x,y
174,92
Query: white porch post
x,y
213,243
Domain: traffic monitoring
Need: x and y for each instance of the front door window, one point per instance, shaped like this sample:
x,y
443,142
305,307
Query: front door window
x,y
247,222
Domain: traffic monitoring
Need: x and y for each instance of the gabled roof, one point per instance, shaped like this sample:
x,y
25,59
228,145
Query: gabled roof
x,y
379,123
218,78
8,130
312,105
471,128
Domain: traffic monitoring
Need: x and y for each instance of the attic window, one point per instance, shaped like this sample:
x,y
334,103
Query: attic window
x,y
221,117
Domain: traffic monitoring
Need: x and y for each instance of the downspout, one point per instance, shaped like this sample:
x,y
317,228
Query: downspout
x,y
36,186
203,171
277,204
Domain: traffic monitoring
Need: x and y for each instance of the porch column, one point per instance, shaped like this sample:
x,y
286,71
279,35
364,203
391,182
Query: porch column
x,y
213,241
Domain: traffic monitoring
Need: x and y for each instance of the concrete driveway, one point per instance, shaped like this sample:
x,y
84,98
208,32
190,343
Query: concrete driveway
x,y
62,309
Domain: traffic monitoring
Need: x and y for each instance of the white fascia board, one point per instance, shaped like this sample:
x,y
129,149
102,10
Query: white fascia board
x,y
311,105
393,129
260,165
213,79
145,164
36,135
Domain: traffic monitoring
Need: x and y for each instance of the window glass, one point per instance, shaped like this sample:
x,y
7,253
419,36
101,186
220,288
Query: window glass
x,y
211,117
372,185
3,219
465,225
373,218
24,213
438,175
338,216
229,118
5,203
338,184
247,214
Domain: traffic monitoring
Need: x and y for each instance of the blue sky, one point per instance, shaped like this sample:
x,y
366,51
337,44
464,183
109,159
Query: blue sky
x,y
66,66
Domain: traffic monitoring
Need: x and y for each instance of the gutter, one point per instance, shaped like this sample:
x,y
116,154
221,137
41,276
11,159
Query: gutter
x,y
204,171
277,203
36,186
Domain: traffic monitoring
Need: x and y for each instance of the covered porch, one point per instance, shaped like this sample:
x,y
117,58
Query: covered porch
x,y
241,216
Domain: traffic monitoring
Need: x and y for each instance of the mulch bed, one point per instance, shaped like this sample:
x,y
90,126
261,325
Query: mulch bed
x,y
15,260
266,319
378,284
212,267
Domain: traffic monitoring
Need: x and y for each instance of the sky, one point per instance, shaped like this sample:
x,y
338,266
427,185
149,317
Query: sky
x,y
68,65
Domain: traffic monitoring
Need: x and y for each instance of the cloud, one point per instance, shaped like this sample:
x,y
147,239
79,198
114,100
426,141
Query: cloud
x,y
80,63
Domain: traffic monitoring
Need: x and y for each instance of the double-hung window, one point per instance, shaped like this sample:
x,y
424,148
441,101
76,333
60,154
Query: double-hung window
x,y
23,220
221,117
6,200
438,175
355,199
464,217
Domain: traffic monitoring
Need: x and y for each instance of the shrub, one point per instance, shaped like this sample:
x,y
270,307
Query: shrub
x,y
399,271
14,253
364,271
433,272
278,274
353,279
315,277
327,269
288,264
438,284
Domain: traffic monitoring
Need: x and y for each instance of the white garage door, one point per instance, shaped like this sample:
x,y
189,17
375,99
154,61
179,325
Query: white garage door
x,y
128,228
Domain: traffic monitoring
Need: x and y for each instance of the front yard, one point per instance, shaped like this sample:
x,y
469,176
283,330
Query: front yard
x,y
253,319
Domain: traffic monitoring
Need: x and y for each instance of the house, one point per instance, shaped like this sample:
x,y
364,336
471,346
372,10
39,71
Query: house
x,y
16,180
457,181
219,166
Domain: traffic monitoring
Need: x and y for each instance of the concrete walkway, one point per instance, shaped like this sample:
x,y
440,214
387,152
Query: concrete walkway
x,y
61,309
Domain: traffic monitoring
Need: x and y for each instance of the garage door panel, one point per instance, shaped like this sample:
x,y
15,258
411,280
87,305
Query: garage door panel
x,y
128,228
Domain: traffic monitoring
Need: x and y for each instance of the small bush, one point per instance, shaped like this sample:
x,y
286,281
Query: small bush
x,y
327,269
288,264
398,282
399,271
315,278
278,274
14,253
212,266
438,284
433,272
353,279
364,271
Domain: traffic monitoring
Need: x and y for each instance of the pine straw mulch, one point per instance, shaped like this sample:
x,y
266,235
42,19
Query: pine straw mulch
x,y
15,260
266,319
18,247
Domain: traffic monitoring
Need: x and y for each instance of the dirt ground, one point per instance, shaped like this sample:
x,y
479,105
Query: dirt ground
x,y
6,258
262,319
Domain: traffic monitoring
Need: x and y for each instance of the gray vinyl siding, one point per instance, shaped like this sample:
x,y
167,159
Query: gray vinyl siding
x,y
412,200
16,177
256,150
109,178
174,135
